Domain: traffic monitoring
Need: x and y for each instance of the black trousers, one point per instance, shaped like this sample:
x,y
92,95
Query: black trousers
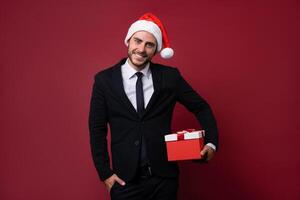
x,y
149,188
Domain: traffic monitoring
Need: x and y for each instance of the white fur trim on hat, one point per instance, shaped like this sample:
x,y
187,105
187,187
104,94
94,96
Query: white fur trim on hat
x,y
167,53
144,25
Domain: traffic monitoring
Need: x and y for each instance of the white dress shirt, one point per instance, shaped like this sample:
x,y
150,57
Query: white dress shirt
x,y
129,82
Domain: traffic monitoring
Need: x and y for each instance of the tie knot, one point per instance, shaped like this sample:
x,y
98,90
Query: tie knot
x,y
139,74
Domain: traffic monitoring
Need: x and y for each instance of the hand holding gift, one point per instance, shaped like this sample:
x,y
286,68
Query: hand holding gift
x,y
207,153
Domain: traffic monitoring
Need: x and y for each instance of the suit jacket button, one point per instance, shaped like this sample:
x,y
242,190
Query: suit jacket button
x,y
137,143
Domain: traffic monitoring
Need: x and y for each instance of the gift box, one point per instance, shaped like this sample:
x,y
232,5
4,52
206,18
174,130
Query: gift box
x,y
185,145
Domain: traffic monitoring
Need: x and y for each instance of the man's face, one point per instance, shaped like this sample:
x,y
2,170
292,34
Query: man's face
x,y
141,48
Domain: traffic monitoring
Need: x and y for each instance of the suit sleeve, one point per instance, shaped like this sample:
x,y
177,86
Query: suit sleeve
x,y
199,107
98,130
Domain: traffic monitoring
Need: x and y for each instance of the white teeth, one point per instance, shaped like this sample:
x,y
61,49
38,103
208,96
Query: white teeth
x,y
139,56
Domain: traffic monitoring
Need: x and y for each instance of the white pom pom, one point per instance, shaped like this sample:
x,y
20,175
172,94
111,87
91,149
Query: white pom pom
x,y
167,53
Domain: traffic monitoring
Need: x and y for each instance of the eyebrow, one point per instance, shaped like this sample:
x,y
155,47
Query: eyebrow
x,y
136,38
140,40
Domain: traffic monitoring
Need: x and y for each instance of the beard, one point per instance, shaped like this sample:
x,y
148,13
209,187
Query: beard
x,y
138,59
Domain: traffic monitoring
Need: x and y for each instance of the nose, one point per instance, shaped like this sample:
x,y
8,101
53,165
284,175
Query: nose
x,y
141,48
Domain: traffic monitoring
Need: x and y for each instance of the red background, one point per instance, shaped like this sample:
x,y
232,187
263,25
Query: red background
x,y
242,56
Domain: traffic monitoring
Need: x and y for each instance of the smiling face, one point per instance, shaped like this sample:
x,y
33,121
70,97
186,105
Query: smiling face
x,y
141,48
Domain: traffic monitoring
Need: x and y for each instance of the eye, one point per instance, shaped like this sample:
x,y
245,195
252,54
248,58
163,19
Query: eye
x,y
150,45
137,41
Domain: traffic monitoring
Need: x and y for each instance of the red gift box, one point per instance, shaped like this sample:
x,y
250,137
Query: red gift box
x,y
185,145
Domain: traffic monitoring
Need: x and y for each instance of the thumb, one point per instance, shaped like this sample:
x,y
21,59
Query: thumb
x,y
120,181
204,151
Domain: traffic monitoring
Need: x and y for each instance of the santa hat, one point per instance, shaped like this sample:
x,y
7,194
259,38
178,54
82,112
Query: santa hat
x,y
150,23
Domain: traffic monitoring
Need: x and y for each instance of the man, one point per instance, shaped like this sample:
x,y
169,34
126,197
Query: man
x,y
136,98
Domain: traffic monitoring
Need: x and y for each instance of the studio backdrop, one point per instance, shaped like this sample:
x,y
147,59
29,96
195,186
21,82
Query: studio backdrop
x,y
241,56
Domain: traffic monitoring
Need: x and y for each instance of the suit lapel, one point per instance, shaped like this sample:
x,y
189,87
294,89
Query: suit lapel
x,y
119,87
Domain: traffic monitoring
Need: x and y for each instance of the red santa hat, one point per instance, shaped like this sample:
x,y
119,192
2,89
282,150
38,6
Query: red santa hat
x,y
150,23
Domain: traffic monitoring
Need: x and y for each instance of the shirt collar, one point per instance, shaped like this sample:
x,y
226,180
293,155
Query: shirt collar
x,y
129,71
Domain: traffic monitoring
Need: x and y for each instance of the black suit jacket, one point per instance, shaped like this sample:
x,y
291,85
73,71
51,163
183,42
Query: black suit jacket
x,y
110,106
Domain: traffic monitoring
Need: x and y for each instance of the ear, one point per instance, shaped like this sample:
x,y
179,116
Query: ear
x,y
156,48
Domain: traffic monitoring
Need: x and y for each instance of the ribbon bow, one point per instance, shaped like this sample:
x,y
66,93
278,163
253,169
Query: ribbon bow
x,y
180,134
